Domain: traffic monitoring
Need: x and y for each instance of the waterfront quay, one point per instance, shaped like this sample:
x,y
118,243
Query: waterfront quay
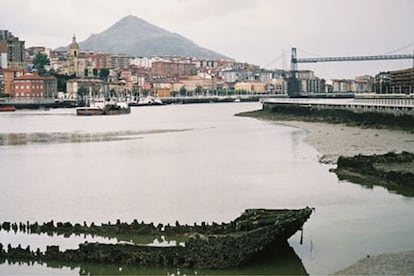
x,y
38,103
59,103
216,99
397,104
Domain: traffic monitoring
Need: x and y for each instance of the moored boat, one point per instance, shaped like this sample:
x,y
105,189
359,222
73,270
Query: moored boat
x,y
5,108
147,101
104,108
117,109
89,111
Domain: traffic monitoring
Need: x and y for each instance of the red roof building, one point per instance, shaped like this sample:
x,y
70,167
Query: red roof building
x,y
32,86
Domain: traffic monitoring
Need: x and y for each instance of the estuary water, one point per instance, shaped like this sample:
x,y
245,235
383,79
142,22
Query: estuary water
x,y
190,163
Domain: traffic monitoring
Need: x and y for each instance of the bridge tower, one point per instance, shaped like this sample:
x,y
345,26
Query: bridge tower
x,y
293,84
413,56
294,61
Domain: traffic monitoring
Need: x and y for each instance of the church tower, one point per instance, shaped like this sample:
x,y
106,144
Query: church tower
x,y
74,48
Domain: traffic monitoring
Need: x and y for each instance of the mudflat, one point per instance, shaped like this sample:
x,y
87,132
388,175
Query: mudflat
x,y
334,140
401,263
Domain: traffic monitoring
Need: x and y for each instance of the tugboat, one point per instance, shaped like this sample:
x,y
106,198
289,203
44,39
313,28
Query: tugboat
x,y
104,108
116,109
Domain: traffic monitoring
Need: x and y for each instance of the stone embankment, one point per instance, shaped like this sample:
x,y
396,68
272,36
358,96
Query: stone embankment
x,y
339,114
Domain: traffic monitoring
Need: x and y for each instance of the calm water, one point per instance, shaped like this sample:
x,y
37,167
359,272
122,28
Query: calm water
x,y
190,163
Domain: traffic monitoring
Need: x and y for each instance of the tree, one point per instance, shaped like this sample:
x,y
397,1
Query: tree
x,y
199,90
183,91
61,80
39,62
103,74
82,91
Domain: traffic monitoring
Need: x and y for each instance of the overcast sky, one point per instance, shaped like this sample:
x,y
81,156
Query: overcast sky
x,y
253,31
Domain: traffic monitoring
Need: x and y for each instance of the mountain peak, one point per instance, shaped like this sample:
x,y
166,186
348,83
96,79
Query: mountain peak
x,y
134,36
130,19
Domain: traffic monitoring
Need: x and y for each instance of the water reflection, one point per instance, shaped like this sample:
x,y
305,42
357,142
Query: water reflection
x,y
75,137
277,261
72,240
370,184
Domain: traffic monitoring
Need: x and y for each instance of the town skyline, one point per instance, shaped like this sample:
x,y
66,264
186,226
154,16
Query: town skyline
x,y
254,32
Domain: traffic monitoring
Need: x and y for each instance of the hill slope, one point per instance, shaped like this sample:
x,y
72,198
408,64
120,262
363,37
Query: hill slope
x,y
136,37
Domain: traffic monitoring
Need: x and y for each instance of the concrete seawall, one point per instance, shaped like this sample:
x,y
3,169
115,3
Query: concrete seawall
x,y
37,103
389,113
396,106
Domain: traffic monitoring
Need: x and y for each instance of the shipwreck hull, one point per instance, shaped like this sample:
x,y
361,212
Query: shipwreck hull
x,y
393,171
255,232
215,246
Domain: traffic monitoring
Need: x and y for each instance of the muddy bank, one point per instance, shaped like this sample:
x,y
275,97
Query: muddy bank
x,y
332,140
345,145
387,264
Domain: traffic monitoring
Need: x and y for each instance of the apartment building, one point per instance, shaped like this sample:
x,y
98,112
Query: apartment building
x,y
33,86
11,50
402,81
9,75
173,69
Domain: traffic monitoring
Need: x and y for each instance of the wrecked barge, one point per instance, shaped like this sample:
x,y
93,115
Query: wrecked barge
x,y
204,246
394,171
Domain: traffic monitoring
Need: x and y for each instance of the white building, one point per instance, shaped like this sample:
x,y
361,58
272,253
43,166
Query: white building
x,y
230,76
141,62
279,85
3,60
305,74
266,76
314,85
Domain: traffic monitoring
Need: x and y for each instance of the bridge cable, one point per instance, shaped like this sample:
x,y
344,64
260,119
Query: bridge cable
x,y
309,53
399,49
274,60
